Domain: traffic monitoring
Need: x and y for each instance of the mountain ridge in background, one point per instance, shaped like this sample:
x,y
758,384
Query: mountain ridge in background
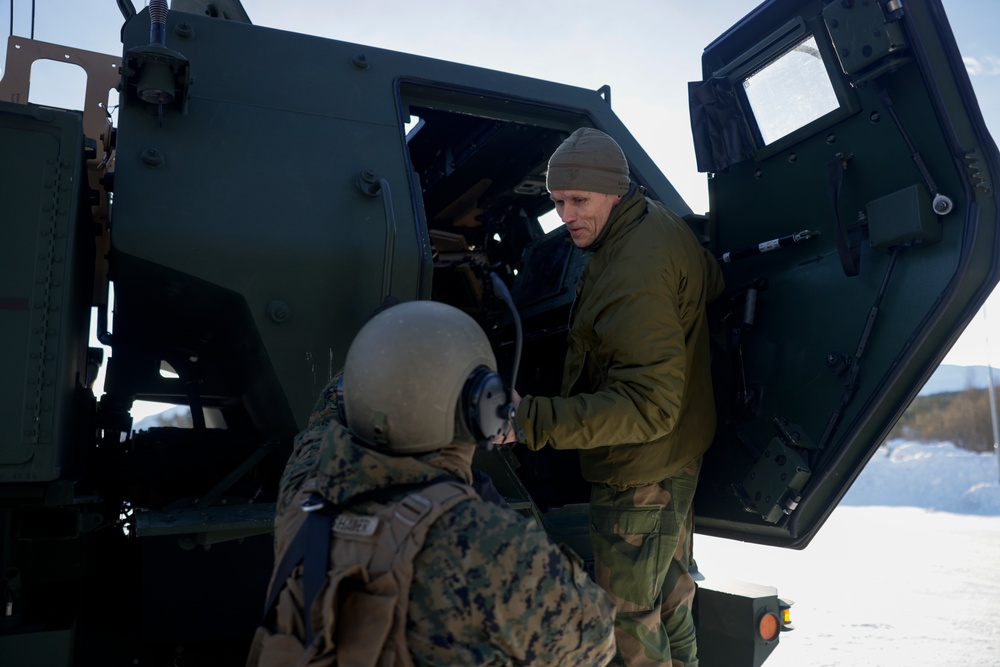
x,y
956,378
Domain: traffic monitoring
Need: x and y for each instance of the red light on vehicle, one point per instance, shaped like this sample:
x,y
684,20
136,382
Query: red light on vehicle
x,y
769,626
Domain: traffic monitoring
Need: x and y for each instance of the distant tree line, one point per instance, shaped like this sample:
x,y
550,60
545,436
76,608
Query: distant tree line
x,y
175,418
961,417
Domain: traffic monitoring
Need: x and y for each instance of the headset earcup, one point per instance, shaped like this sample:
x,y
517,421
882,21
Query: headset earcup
x,y
483,396
338,397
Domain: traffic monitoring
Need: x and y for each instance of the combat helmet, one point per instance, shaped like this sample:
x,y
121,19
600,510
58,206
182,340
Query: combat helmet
x,y
421,375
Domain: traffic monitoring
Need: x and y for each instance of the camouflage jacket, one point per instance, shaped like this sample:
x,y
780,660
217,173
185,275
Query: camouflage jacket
x,y
637,396
488,588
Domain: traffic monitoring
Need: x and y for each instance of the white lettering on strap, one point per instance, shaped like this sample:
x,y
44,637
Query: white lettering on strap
x,y
355,524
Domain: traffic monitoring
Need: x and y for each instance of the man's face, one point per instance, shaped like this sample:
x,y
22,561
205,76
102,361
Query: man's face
x,y
584,213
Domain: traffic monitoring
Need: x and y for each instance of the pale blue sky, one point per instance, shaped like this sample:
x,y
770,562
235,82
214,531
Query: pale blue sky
x,y
646,50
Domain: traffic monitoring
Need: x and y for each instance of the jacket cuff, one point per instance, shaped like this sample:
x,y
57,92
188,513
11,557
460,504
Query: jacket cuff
x,y
524,421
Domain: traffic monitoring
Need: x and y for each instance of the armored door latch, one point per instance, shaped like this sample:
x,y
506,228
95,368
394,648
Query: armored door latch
x,y
772,487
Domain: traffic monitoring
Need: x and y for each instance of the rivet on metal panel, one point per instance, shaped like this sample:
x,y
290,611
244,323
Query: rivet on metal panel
x,y
279,312
152,157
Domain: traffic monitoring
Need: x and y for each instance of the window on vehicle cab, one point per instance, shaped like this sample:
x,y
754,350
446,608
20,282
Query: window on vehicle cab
x,y
790,87
790,92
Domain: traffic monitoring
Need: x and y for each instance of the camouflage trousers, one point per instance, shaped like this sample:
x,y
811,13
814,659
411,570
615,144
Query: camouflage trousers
x,y
642,550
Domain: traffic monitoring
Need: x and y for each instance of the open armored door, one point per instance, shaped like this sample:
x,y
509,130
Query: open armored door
x,y
848,131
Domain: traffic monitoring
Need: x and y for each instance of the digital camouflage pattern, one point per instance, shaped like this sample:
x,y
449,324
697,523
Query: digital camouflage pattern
x,y
635,532
489,587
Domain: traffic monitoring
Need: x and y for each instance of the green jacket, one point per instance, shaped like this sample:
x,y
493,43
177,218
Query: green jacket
x,y
637,395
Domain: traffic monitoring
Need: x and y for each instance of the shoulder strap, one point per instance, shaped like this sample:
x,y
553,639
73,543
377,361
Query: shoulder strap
x,y
402,541
315,531
377,635
412,516
311,547
398,544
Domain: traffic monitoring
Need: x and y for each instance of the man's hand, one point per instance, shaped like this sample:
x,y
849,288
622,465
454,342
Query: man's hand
x,y
510,434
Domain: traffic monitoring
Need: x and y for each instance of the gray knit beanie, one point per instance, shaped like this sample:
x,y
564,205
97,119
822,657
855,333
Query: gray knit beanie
x,y
591,161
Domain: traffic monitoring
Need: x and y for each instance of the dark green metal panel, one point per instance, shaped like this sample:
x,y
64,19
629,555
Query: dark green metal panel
x,y
255,191
54,647
44,299
903,218
728,614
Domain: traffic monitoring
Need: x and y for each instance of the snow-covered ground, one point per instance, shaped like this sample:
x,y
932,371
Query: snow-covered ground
x,y
906,571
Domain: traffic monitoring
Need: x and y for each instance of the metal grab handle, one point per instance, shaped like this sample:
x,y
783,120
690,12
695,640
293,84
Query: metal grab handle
x,y
373,187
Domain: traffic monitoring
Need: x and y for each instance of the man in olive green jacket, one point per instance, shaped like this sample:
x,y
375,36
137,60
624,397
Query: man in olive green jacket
x,y
637,397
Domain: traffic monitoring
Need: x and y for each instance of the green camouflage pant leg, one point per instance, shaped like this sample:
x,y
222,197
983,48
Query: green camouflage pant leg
x,y
679,587
642,550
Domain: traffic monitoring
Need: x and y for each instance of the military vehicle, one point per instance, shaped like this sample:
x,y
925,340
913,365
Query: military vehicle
x,y
852,204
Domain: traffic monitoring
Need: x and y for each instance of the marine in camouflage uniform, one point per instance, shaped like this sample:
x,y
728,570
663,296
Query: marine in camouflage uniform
x,y
488,587
637,398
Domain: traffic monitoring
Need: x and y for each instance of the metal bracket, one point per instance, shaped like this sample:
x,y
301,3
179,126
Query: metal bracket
x,y
793,434
772,488
153,74
862,33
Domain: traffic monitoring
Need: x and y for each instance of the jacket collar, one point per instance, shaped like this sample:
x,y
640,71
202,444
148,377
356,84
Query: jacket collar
x,y
348,468
632,204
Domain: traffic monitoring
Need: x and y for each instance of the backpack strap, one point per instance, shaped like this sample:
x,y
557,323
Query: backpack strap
x,y
413,515
401,539
400,542
316,528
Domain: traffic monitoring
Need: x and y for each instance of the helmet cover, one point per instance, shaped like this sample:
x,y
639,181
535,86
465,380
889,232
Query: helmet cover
x,y
404,375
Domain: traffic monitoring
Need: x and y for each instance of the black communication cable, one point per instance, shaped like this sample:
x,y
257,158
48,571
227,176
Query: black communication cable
x,y
32,19
11,18
500,289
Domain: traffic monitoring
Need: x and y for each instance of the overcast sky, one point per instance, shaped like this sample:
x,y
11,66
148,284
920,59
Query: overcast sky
x,y
646,50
